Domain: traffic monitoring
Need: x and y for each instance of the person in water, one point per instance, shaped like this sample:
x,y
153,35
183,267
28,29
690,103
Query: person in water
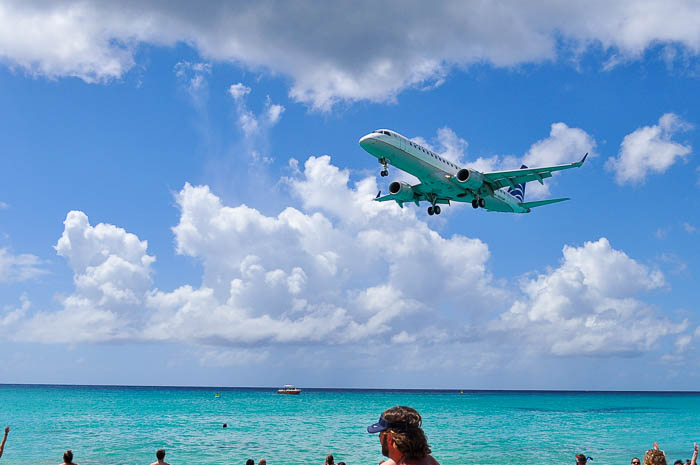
x,y
402,438
68,458
4,439
160,455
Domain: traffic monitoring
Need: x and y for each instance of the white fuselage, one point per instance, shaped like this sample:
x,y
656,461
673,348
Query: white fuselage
x,y
435,172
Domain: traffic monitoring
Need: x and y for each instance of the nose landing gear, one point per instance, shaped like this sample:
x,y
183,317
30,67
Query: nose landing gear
x,y
384,171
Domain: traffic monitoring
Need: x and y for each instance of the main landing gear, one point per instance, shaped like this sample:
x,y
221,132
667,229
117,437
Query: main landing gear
x,y
476,203
384,172
434,210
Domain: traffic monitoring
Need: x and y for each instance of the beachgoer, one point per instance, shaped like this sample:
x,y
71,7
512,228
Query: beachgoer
x,y
655,456
4,439
250,462
694,460
330,460
160,455
581,459
402,438
678,462
341,463
262,462
225,425
636,461
68,458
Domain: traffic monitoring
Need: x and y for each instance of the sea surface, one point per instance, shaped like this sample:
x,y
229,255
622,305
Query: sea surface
x,y
125,425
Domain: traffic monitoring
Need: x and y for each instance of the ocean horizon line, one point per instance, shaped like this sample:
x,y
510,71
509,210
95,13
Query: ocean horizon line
x,y
350,389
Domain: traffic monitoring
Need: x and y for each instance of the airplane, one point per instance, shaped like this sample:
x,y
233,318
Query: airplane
x,y
442,181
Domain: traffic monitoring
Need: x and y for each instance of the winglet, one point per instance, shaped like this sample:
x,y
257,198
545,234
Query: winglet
x,y
378,194
584,158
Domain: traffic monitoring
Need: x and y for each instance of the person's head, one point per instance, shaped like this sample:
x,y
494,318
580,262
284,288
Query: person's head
x,y
581,459
68,456
399,428
341,463
160,454
262,462
654,457
329,459
678,462
636,461
250,462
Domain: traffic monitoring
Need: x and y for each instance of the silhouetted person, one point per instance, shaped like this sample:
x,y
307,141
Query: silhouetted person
x,y
330,460
250,462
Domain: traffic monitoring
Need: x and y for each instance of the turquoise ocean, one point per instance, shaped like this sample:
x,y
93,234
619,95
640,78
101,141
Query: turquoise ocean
x,y
125,425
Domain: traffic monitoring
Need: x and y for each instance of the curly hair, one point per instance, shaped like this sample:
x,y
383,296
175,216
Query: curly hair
x,y
654,457
409,440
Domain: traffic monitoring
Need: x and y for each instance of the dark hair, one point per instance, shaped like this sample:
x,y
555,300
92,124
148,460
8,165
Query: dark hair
x,y
677,462
160,454
341,463
329,459
68,456
580,458
250,462
409,439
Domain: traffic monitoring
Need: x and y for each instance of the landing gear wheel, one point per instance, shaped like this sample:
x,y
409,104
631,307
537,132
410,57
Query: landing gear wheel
x,y
436,209
384,173
431,211
482,203
475,203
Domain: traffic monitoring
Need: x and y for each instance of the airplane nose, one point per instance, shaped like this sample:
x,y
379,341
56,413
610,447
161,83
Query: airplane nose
x,y
365,140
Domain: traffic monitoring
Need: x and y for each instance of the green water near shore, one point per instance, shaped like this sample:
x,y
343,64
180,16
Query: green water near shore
x,y
125,425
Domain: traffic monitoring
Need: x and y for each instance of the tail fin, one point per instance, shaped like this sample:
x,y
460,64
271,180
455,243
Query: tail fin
x,y
518,191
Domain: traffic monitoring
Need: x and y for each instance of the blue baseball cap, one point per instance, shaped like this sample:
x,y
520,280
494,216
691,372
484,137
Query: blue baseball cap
x,y
383,424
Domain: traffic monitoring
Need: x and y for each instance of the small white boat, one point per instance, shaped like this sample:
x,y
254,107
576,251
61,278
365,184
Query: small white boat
x,y
289,389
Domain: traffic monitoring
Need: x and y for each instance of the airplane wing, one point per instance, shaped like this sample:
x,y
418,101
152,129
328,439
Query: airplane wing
x,y
418,193
499,179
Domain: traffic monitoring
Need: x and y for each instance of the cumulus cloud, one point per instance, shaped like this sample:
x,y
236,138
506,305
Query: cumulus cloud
x,y
649,149
111,272
14,268
331,51
339,271
590,305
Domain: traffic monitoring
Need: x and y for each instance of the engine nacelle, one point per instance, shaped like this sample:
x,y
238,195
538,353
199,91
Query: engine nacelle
x,y
470,179
401,191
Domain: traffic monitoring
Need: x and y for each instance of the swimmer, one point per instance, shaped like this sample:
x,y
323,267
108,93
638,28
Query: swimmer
x,y
225,425
68,458
160,455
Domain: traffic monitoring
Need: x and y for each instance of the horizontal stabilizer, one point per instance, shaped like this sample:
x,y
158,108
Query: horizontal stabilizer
x,y
539,203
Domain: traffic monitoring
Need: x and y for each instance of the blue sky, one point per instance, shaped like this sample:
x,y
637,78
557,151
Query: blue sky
x,y
183,199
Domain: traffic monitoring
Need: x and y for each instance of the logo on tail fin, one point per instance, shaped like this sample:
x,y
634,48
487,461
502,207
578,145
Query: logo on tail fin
x,y
518,191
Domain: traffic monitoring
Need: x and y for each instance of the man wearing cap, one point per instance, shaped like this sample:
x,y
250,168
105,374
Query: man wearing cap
x,y
402,438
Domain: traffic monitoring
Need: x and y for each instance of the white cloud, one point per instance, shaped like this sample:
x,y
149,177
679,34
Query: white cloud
x,y
689,228
111,272
4,206
249,123
20,267
589,305
336,52
564,145
238,90
339,272
649,149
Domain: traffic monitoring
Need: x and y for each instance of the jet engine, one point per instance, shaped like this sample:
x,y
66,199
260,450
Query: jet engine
x,y
401,191
470,179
